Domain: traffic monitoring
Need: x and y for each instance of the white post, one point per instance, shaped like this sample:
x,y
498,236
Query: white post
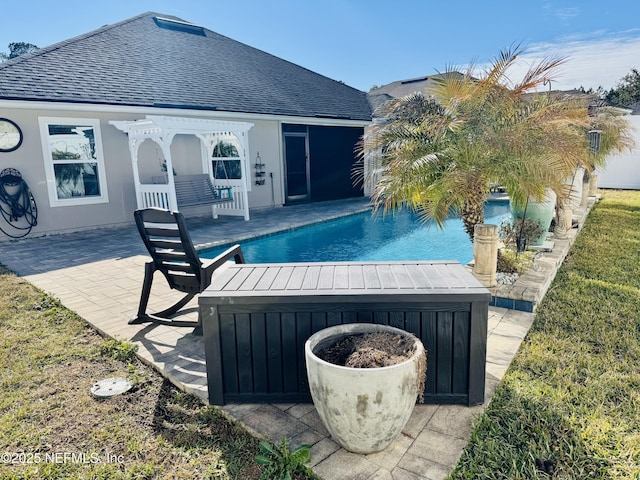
x,y
165,146
585,194
485,253
565,215
246,171
134,144
593,185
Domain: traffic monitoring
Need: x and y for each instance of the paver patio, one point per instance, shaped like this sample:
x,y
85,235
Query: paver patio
x,y
99,273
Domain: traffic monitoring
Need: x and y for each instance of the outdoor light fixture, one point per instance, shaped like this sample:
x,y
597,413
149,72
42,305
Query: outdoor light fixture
x,y
594,141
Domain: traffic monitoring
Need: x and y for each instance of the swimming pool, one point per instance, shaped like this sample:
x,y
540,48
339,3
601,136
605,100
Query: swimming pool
x,y
363,237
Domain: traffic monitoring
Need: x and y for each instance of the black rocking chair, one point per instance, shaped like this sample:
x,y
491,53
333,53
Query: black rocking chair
x,y
167,239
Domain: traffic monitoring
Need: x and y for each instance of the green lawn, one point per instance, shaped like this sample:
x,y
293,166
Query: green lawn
x,y
570,401
51,427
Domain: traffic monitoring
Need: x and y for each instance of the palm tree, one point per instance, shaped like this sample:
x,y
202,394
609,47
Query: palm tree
x,y
608,133
441,151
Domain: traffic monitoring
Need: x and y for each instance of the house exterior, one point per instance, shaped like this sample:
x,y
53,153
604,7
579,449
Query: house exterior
x,y
298,128
401,88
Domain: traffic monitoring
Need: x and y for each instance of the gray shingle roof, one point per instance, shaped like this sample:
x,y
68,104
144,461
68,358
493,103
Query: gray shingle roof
x,y
402,88
135,62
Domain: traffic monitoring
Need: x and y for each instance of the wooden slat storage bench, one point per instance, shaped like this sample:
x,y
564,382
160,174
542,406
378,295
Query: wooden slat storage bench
x,y
257,317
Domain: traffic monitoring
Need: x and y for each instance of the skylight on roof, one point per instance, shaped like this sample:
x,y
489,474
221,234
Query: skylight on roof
x,y
414,80
178,26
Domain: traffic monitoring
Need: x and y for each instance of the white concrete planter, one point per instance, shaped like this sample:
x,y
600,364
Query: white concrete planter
x,y
364,409
585,191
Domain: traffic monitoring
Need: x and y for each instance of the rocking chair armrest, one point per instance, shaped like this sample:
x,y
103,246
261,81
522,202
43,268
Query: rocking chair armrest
x,y
209,266
234,252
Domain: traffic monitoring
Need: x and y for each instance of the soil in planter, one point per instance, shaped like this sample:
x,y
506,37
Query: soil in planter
x,y
370,350
373,350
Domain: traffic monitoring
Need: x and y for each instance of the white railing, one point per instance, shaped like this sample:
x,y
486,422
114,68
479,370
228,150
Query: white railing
x,y
154,196
158,195
238,206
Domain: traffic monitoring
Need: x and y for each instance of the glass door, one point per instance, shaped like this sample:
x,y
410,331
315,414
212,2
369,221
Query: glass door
x,y
296,154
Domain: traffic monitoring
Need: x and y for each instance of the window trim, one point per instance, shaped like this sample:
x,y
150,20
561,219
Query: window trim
x,y
239,143
54,201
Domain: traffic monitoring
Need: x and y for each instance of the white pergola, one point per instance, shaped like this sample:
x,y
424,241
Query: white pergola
x,y
162,130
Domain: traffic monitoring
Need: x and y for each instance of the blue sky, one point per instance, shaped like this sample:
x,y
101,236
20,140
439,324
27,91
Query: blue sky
x,y
374,42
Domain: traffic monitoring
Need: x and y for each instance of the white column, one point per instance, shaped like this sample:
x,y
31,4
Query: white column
x,y
485,253
565,215
593,184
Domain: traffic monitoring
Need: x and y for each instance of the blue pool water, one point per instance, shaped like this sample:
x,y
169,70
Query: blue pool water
x,y
363,237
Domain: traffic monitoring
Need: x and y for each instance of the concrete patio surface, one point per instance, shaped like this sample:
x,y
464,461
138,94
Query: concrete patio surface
x,y
98,274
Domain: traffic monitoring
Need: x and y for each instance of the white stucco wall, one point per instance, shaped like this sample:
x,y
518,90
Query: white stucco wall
x,y
265,139
29,160
623,169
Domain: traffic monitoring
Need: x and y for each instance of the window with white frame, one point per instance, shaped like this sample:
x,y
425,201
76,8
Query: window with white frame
x,y
74,162
226,157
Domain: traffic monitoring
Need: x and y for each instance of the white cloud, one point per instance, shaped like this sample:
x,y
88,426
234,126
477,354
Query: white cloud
x,y
567,13
600,60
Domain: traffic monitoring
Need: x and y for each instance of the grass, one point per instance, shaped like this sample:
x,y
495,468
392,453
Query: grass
x,y
51,427
569,405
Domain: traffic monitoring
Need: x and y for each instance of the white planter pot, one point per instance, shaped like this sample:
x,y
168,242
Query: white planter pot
x,y
364,409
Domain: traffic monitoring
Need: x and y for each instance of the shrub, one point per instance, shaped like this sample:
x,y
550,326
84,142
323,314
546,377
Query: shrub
x,y
517,234
510,261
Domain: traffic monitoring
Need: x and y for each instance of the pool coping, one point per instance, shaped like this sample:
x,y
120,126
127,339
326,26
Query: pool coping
x,y
529,289
277,230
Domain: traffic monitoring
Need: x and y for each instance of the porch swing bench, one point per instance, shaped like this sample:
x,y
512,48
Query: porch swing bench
x,y
194,190
226,195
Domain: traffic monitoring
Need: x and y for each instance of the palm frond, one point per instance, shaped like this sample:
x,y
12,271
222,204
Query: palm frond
x,y
539,74
437,152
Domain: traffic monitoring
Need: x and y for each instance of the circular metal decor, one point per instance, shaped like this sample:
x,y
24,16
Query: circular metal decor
x,y
110,387
10,135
